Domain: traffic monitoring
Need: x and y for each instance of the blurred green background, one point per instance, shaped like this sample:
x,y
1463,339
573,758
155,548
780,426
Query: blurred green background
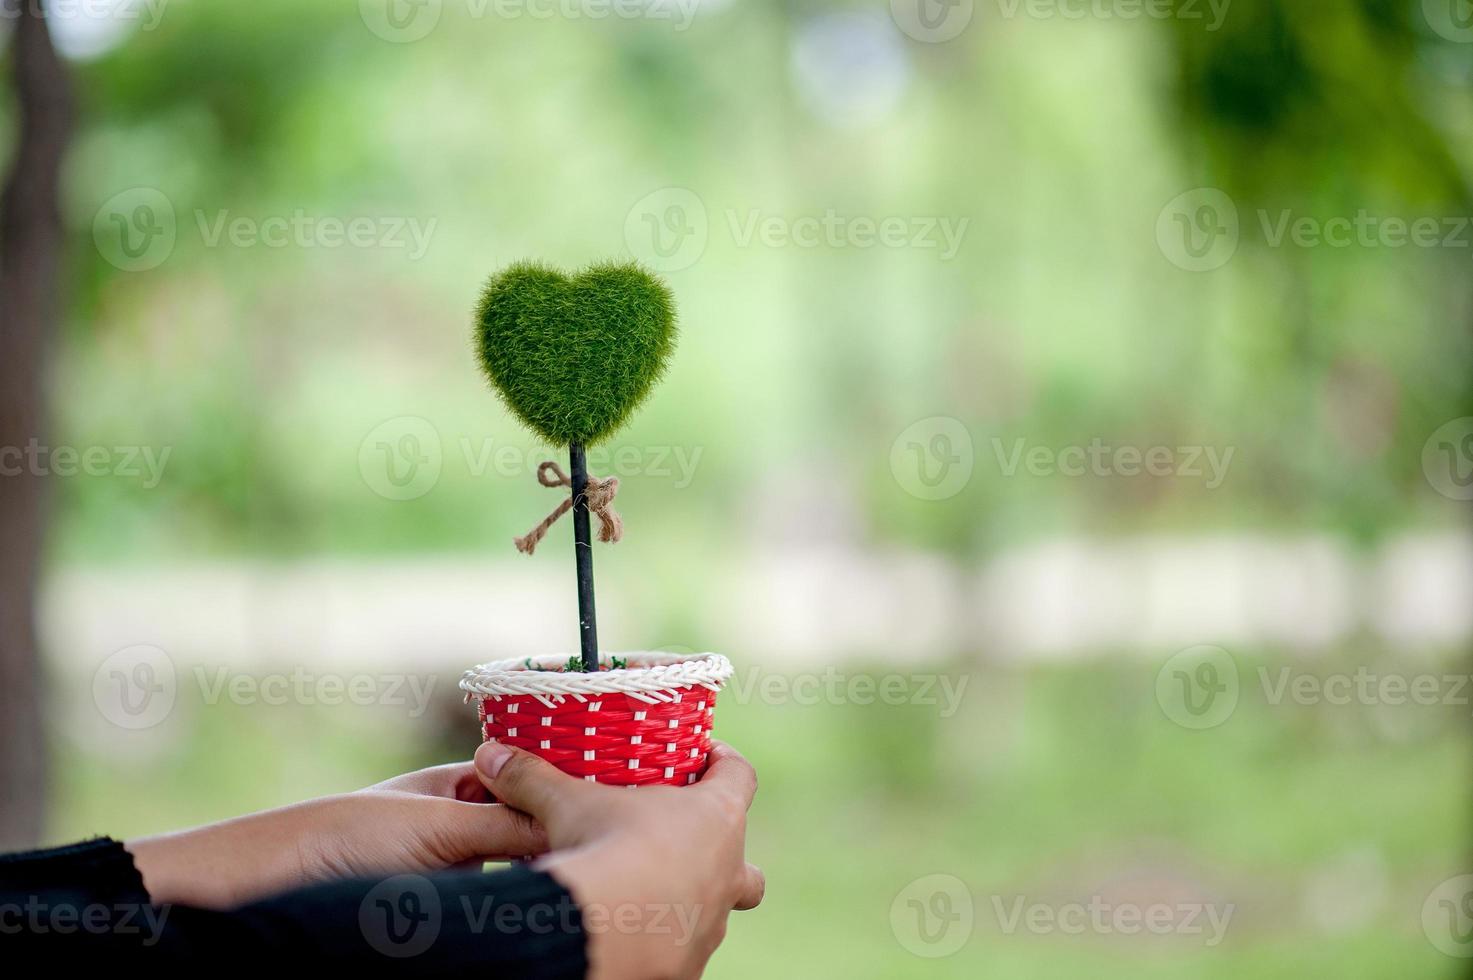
x,y
824,479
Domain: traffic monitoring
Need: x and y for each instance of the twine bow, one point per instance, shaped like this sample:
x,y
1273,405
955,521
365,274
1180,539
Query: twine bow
x,y
600,497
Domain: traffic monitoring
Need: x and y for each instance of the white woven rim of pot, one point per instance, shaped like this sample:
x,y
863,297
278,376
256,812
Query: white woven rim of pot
x,y
651,677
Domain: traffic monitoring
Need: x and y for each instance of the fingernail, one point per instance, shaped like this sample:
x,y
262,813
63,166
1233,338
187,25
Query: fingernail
x,y
491,757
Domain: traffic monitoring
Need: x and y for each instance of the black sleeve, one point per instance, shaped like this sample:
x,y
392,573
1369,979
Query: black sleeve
x,y
85,901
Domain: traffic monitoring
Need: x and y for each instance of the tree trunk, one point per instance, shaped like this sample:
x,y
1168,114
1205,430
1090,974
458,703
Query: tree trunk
x,y
30,250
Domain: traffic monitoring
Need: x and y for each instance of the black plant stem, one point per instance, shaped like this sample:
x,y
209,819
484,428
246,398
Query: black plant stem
x,y
583,550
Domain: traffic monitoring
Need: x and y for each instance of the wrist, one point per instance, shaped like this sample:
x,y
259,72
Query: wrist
x,y
227,864
615,951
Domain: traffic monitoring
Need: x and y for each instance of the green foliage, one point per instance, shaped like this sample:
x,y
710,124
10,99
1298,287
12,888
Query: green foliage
x,y
572,357
575,665
1280,113
1326,368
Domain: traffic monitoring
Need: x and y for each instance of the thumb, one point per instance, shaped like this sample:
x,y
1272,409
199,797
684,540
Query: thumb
x,y
522,780
479,831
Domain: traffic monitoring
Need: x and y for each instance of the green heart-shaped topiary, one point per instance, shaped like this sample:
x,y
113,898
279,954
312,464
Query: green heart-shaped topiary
x,y
572,357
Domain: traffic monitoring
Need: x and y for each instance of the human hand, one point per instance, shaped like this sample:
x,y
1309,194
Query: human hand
x,y
655,870
422,821
429,820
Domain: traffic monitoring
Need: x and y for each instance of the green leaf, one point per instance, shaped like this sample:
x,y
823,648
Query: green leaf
x,y
573,356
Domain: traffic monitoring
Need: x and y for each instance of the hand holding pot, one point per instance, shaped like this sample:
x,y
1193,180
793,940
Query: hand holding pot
x,y
655,871
424,821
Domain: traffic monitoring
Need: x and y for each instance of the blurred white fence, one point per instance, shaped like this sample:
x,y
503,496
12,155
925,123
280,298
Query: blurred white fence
x,y
1059,599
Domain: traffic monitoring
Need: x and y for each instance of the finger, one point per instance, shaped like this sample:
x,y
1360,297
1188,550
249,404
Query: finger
x,y
468,787
526,782
754,886
492,830
457,833
729,773
452,780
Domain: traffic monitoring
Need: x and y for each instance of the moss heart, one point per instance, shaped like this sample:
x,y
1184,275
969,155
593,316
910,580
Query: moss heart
x,y
573,356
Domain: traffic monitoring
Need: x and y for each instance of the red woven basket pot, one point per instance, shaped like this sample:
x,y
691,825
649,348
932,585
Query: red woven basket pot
x,y
646,723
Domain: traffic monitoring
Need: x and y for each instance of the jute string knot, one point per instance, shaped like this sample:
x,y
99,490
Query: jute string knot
x,y
600,497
